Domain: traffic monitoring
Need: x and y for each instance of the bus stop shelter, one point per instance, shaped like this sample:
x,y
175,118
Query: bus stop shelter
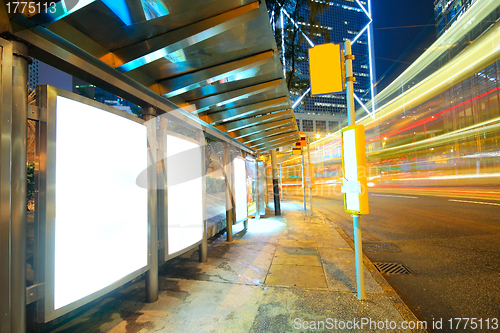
x,y
214,62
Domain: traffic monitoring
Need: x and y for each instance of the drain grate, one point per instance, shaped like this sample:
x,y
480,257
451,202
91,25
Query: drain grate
x,y
391,268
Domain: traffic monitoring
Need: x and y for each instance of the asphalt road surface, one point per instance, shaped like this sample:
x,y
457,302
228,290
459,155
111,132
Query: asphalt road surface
x,y
449,238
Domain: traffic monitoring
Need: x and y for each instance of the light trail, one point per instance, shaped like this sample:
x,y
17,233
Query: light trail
x,y
394,196
476,202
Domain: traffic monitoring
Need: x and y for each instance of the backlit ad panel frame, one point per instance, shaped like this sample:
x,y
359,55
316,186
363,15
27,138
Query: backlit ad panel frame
x,y
178,221
240,189
135,141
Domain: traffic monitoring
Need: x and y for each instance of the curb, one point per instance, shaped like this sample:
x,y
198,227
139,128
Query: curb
x,y
398,303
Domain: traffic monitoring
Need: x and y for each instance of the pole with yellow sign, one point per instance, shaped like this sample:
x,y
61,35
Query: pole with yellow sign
x,y
328,75
354,166
297,149
309,177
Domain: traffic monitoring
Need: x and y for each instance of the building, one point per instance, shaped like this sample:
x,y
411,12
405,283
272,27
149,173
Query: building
x,y
447,12
342,20
85,89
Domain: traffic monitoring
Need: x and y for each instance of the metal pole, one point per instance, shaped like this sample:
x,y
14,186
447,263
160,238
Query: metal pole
x,y
257,190
5,181
281,183
203,248
303,179
276,189
162,192
358,253
19,185
351,120
230,209
349,83
310,174
152,273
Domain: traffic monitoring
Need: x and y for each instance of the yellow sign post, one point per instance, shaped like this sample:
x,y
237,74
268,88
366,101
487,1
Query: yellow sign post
x,y
328,75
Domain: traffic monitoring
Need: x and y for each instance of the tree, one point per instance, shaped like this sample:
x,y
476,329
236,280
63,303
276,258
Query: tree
x,y
295,42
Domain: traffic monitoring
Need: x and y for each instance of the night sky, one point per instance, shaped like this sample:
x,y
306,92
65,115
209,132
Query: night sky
x,y
392,43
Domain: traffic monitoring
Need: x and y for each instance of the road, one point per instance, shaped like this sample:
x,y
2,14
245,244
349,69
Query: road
x,y
449,238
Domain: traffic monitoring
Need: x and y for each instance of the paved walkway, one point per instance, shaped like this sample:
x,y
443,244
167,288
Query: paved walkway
x,y
284,274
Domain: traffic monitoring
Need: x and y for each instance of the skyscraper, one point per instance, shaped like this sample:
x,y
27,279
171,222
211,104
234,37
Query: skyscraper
x,y
447,12
339,21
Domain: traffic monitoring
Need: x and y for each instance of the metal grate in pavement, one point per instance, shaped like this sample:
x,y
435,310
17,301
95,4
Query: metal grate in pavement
x,y
391,268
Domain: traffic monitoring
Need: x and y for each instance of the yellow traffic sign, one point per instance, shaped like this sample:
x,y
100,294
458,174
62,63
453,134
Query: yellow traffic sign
x,y
326,69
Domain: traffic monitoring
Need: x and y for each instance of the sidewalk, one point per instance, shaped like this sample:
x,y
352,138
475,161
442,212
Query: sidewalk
x,y
282,272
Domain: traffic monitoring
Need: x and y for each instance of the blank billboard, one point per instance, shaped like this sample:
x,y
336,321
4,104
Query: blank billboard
x,y
97,218
185,199
240,189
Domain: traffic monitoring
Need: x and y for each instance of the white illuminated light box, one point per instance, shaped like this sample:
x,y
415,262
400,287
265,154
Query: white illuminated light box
x,y
354,166
185,200
240,189
96,215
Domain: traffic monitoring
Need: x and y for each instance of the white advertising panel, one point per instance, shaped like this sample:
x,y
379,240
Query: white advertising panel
x,y
97,218
240,189
351,167
185,199
354,168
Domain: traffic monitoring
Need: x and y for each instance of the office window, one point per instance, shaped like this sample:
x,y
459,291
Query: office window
x,y
307,125
333,126
320,126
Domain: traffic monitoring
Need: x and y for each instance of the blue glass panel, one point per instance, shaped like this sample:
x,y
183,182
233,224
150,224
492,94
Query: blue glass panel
x,y
154,8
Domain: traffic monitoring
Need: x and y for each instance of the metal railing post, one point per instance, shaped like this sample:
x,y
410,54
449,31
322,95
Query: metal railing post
x,y
230,208
303,179
152,273
203,250
19,185
310,174
276,189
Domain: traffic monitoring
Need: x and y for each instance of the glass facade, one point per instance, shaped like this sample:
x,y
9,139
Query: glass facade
x,y
447,12
321,22
85,89
340,20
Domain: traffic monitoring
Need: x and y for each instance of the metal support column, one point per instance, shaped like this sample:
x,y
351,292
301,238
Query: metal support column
x,y
152,273
303,179
276,189
19,185
281,184
309,184
257,189
5,181
230,208
162,192
203,250
358,246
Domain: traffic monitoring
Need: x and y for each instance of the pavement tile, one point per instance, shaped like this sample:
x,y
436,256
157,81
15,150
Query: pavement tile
x,y
296,276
